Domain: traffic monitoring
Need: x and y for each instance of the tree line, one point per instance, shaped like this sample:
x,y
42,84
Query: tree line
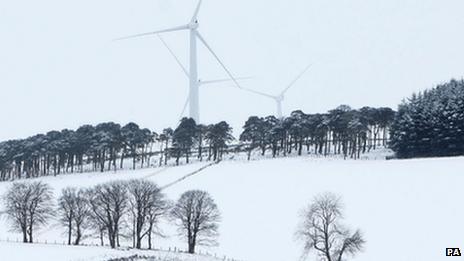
x,y
115,211
430,123
106,146
110,146
68,151
343,131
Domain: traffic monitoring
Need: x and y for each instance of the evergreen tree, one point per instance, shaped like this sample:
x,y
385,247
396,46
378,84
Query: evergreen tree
x,y
430,123
183,138
253,133
218,136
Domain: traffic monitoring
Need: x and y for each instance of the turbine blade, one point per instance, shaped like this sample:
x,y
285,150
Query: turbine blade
x,y
224,80
174,55
219,60
197,10
243,88
295,80
260,93
177,28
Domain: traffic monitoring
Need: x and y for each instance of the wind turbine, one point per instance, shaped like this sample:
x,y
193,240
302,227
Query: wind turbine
x,y
194,84
279,98
186,73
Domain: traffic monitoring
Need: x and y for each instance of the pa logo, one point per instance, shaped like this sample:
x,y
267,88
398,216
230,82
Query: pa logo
x,y
453,252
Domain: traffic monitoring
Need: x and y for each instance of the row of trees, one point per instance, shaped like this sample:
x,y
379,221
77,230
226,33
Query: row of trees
x,y
431,123
106,146
68,151
189,136
340,131
132,210
115,210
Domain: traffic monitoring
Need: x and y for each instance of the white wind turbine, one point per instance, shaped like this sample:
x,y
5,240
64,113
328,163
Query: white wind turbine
x,y
281,96
194,84
184,70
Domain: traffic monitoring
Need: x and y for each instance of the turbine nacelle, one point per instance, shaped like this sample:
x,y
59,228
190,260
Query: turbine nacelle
x,y
193,25
279,98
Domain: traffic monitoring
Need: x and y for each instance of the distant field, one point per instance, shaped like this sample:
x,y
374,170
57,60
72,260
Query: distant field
x,y
407,209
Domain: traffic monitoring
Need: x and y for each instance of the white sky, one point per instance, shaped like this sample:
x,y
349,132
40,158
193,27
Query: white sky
x,y
59,67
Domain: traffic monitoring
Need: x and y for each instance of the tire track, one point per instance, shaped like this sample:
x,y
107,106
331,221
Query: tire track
x,y
189,175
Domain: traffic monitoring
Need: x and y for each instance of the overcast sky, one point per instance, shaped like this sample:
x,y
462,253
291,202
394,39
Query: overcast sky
x,y
59,67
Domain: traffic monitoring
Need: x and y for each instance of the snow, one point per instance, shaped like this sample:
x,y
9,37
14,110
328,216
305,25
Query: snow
x,y
407,209
45,252
42,252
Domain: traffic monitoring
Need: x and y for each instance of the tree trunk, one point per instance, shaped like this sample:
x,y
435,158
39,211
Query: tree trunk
x,y
102,243
133,158
30,235
200,149
165,156
69,232
78,235
24,235
149,235
191,248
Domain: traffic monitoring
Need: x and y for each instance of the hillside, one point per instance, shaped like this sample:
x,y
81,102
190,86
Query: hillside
x,y
407,209
43,252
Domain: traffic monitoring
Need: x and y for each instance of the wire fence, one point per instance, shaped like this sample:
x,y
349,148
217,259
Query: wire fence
x,y
130,257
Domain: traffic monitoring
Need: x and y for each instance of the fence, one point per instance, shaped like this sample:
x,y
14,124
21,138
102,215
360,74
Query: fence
x,y
137,256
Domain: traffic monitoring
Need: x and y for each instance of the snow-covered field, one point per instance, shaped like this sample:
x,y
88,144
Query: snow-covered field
x,y
407,209
44,252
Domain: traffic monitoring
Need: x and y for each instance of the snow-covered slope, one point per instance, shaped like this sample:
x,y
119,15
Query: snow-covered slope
x,y
407,209
44,252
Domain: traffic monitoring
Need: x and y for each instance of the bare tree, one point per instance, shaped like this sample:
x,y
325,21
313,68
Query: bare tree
x,y
66,209
98,226
197,216
81,216
28,206
321,231
160,209
147,204
74,211
108,204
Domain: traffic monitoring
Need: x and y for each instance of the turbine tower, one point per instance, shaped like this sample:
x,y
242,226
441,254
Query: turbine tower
x,y
194,84
281,96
